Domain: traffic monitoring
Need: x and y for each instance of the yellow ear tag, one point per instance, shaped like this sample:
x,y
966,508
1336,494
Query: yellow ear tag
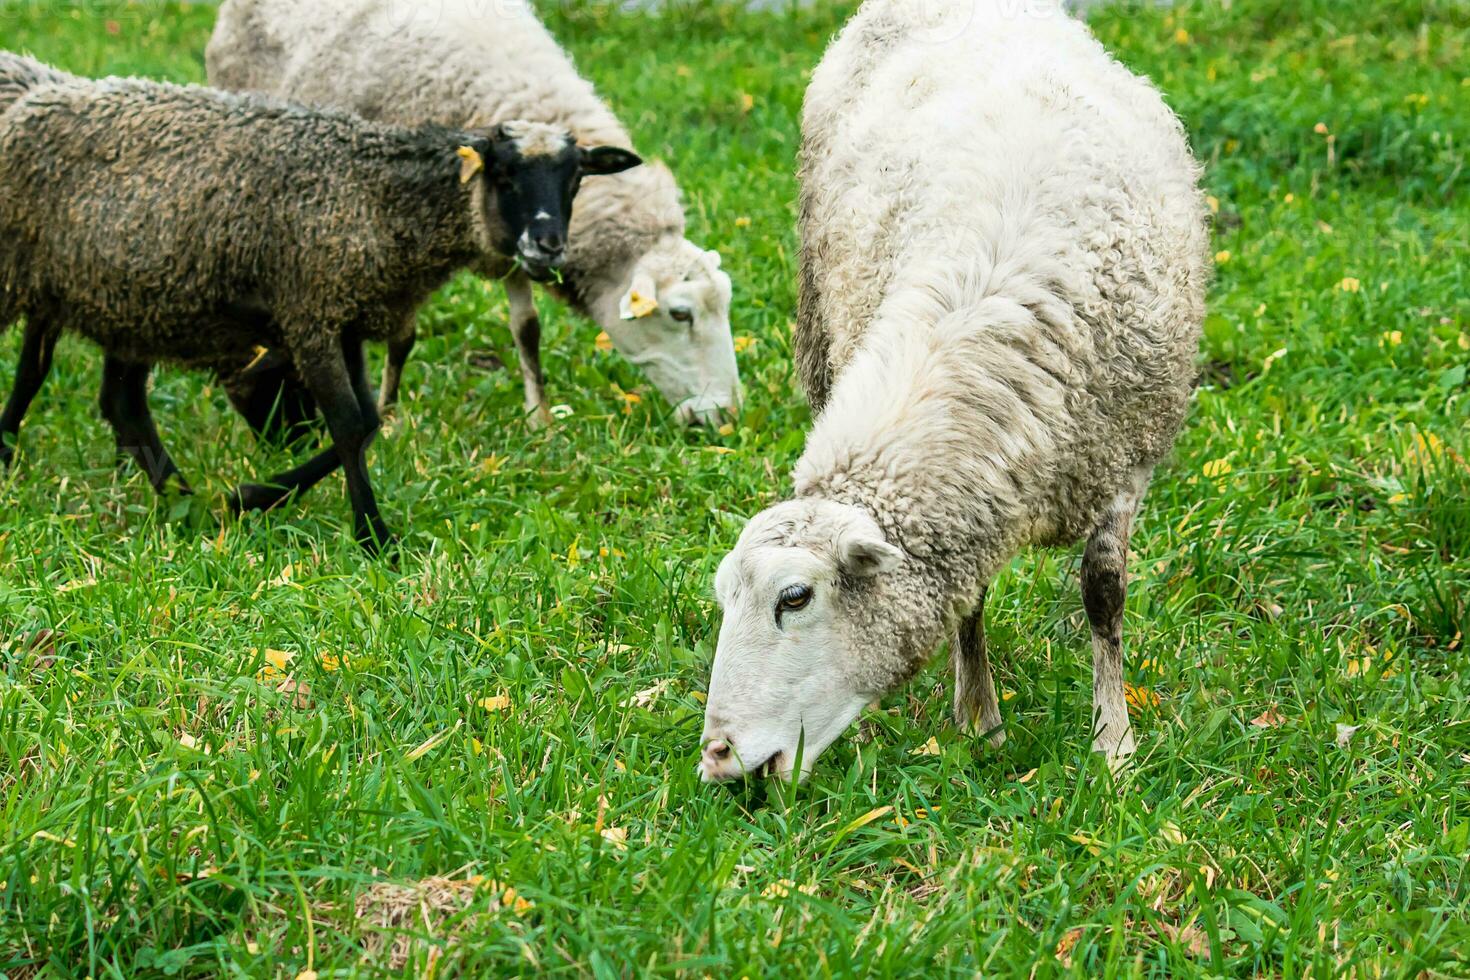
x,y
641,306
471,164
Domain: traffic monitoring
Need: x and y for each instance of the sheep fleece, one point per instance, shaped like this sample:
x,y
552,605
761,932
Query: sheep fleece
x,y
164,221
1003,269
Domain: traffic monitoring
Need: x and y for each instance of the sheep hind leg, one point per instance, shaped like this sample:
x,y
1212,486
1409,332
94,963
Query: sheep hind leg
x,y
398,350
1104,594
341,389
976,707
271,400
525,327
36,350
125,406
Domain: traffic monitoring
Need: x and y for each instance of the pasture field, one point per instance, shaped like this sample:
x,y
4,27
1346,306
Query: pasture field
x,y
239,748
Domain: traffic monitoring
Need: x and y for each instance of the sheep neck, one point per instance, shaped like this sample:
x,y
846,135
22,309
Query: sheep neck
x,y
919,438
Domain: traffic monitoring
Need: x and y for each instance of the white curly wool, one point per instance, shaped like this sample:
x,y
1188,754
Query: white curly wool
x,y
1003,277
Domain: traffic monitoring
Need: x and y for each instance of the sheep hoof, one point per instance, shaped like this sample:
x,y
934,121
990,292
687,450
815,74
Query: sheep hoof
x,y
249,497
538,418
378,541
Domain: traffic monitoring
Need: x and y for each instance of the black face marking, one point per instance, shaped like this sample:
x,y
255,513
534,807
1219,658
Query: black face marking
x,y
534,191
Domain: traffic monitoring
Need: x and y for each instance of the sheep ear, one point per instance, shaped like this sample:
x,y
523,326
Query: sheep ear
x,y
601,161
725,577
640,300
862,554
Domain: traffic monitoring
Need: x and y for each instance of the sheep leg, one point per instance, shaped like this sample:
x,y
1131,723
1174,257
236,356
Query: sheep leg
x,y
1104,593
37,346
525,326
340,387
398,350
124,403
976,707
272,402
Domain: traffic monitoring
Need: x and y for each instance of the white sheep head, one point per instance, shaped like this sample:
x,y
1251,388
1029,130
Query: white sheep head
x,y
797,659
674,323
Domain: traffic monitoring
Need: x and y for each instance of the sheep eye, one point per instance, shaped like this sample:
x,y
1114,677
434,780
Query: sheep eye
x,y
791,599
682,315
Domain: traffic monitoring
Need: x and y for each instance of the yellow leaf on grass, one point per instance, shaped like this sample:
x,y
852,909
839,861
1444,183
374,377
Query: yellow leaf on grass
x,y
1169,830
743,344
574,558
306,975
1093,844
276,663
1350,284
1216,468
1063,952
1222,256
742,222
604,342
747,102
499,702
1270,718
331,663
616,836
930,747
727,430
1139,698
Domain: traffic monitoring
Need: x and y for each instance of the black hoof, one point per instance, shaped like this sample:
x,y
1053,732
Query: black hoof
x,y
173,485
254,497
378,541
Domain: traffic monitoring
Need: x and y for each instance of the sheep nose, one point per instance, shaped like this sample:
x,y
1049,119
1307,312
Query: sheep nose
x,y
718,761
550,242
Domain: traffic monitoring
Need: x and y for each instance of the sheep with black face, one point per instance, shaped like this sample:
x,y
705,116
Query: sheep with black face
x,y
195,226
1003,270
663,300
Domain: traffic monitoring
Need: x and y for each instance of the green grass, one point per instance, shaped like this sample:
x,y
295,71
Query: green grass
x,y
1304,561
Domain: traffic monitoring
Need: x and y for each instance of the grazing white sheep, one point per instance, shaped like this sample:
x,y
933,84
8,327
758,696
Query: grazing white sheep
x,y
664,301
1003,279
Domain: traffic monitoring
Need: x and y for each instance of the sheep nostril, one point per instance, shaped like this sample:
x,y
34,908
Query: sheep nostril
x,y
718,750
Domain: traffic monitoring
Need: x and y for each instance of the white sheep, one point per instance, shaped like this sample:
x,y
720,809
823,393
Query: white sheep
x,y
466,63
1003,277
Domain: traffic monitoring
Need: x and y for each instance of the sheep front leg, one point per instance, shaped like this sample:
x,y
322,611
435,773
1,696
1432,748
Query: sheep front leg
x,y
976,708
525,326
124,402
340,386
1104,593
30,374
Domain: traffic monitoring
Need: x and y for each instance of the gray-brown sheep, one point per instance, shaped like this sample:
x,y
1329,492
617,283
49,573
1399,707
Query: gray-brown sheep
x,y
183,224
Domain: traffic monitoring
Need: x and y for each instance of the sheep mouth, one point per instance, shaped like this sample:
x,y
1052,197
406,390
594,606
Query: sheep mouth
x,y
771,767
